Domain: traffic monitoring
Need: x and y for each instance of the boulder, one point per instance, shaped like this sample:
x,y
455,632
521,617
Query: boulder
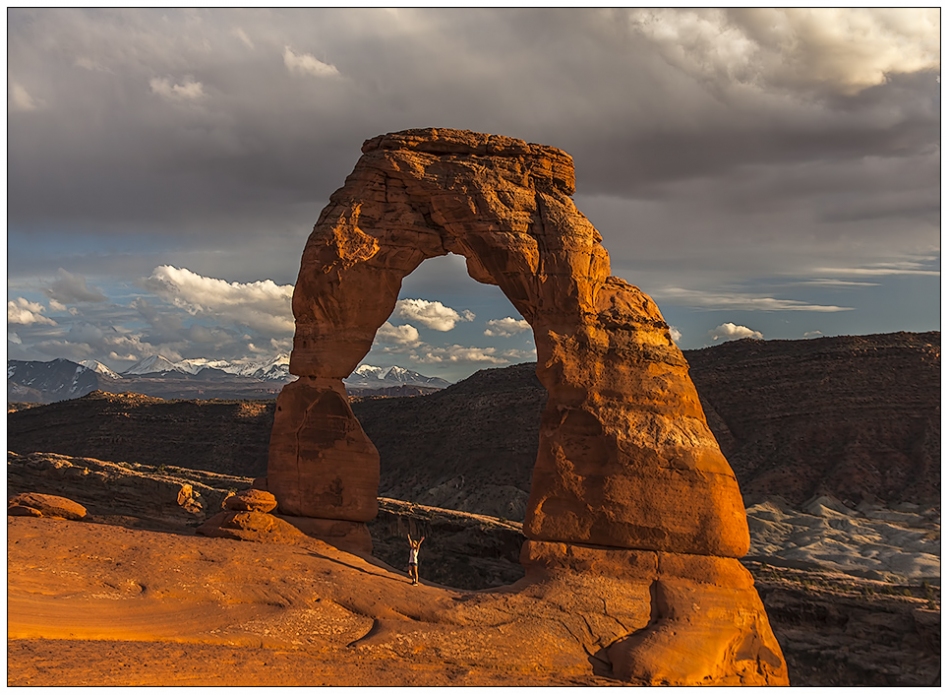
x,y
703,623
250,526
38,504
251,500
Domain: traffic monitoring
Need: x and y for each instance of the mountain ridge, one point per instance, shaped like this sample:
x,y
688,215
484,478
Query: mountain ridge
x,y
794,418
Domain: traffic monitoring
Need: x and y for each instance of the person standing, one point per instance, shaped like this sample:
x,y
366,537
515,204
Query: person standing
x,y
413,557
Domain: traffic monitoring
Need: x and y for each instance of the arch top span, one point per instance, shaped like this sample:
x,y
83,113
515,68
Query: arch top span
x,y
503,204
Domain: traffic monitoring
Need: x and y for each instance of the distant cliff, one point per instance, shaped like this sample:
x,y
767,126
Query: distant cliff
x,y
856,417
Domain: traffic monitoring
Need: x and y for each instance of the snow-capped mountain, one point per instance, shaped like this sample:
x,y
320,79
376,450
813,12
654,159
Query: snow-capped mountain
x,y
156,375
99,368
276,369
372,377
56,380
155,364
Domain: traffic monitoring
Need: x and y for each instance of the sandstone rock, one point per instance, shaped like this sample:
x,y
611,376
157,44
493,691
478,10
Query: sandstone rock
x,y
38,504
321,462
350,536
251,500
707,625
20,510
625,459
250,526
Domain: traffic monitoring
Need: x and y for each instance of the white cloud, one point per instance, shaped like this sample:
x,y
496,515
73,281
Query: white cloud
x,y
397,335
20,100
189,90
24,312
70,288
812,334
458,353
506,327
880,269
12,337
263,305
675,333
740,300
729,331
306,64
845,49
434,315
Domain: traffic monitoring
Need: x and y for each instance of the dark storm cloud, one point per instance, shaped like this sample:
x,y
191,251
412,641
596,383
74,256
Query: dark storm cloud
x,y
191,120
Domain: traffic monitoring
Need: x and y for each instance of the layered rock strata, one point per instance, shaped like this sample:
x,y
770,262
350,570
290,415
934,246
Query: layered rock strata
x,y
625,457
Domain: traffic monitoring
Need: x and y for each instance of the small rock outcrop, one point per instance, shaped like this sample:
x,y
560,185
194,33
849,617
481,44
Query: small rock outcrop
x,y
39,504
251,500
625,457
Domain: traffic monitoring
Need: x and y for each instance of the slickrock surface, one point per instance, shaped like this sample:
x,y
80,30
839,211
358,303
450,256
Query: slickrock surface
x,y
305,606
834,629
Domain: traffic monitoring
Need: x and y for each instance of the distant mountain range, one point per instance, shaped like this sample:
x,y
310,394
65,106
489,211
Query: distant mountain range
x,y
367,376
853,417
61,379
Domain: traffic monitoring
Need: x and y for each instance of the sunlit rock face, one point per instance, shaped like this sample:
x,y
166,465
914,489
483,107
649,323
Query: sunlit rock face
x,y
625,458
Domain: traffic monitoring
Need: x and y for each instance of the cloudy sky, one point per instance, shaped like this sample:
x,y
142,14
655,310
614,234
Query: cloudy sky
x,y
767,173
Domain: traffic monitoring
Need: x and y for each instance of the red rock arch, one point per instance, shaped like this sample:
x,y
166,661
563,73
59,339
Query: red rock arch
x,y
625,457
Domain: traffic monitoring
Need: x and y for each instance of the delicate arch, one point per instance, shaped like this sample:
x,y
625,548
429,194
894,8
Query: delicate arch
x,y
625,457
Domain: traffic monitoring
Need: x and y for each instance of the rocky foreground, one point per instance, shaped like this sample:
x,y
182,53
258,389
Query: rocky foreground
x,y
134,597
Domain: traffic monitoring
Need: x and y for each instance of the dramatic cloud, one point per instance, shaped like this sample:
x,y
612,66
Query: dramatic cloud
x,y
262,305
24,312
405,335
728,153
189,90
434,315
729,331
306,64
843,49
70,288
506,327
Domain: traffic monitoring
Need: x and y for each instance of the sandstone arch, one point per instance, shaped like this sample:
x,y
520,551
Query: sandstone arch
x,y
625,457
629,484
